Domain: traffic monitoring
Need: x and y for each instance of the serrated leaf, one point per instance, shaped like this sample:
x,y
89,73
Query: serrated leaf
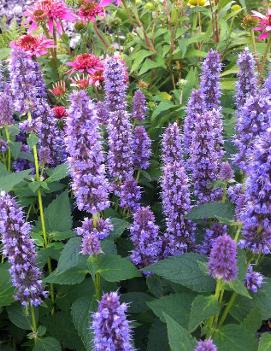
x,y
262,299
212,210
46,344
70,277
19,317
202,308
58,214
58,173
119,226
187,270
70,256
265,342
162,107
157,339
179,338
6,289
238,286
58,236
137,301
8,182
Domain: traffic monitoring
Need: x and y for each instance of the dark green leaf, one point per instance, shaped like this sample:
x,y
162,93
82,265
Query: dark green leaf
x,y
119,226
6,289
158,339
58,214
265,342
8,182
70,256
18,316
32,140
46,344
70,277
212,210
58,173
137,301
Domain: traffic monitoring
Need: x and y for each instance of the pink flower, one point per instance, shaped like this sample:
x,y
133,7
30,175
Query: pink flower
x,y
86,63
105,3
58,89
81,82
89,10
50,13
60,112
36,46
264,24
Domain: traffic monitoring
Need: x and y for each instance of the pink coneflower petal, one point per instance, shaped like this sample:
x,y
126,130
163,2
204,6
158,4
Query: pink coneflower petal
x,y
258,14
104,3
36,46
263,36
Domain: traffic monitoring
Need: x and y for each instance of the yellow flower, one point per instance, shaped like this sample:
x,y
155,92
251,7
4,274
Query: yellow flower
x,y
193,3
236,8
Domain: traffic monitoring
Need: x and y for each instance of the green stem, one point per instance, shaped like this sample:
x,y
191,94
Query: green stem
x,y
9,152
100,36
228,308
34,322
97,284
218,292
264,59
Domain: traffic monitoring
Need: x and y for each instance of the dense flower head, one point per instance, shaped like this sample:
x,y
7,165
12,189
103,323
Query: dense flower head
x,y
223,261
216,230
175,194
102,112
14,9
252,122
86,63
256,216
147,244
237,197
210,80
172,144
130,194
253,280
60,112
196,106
263,25
110,325
21,164
247,78
92,232
6,107
86,157
206,345
27,84
205,157
120,144
267,83
33,45
226,171
89,10
20,251
3,146
50,13
58,89
115,84
139,106
142,148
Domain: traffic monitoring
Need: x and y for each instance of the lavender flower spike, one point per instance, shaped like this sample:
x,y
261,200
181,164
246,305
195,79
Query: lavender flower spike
x,y
139,106
223,259
172,144
6,107
142,148
115,84
253,280
247,79
110,326
83,142
196,106
145,238
256,216
20,251
205,345
210,80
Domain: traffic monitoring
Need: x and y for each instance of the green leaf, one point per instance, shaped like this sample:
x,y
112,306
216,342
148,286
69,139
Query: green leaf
x,y
4,53
176,306
58,236
81,311
138,58
58,214
157,339
188,270
58,173
46,344
6,289
70,277
32,140
265,342
202,308
8,182
18,316
212,210
253,320
70,256
114,268
119,226
162,107
137,301
179,338
235,337
238,286
150,64
262,299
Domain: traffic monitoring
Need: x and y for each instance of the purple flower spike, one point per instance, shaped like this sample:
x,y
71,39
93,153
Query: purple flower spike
x,y
6,107
179,234
216,230
142,148
205,157
253,120
139,106
20,251
130,194
223,261
196,106
205,345
102,112
172,144
253,280
115,84
247,79
112,331
210,80
145,238
3,146
86,157
120,144
237,197
226,171
256,216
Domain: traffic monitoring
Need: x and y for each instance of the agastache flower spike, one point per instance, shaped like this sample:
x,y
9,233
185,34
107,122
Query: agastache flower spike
x,y
256,216
145,237
253,120
130,194
20,251
86,158
172,144
210,80
196,106
142,148
216,230
139,106
6,107
110,326
223,259
205,345
115,84
247,79
253,280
